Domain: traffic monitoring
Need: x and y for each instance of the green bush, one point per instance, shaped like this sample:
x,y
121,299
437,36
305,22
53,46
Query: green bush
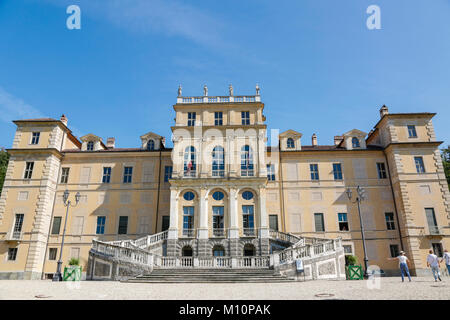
x,y
74,262
350,260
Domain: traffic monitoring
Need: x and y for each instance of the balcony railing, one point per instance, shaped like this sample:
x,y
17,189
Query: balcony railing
x,y
14,236
434,230
189,233
219,232
191,173
218,99
249,232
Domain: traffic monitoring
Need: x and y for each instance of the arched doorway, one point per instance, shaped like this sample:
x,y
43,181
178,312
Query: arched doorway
x,y
218,251
249,250
186,251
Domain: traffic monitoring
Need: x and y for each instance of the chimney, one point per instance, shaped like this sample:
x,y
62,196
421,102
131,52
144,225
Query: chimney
x,y
338,139
63,119
384,111
110,143
314,140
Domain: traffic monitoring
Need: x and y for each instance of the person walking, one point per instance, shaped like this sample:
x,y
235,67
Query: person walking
x,y
433,262
403,262
446,259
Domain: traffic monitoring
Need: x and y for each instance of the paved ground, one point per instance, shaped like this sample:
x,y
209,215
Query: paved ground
x,y
388,288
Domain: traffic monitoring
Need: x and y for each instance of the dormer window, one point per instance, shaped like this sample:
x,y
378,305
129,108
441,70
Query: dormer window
x,y
90,146
355,142
290,143
151,145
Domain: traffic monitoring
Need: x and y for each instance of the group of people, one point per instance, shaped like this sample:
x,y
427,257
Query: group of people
x,y
433,262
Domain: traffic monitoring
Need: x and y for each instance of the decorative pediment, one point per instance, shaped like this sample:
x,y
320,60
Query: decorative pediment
x,y
354,139
355,133
290,140
152,141
90,137
91,142
291,134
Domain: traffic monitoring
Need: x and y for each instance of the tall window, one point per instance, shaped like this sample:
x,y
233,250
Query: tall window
x,y
64,175
389,216
106,175
393,248
188,220
245,116
123,225
246,161
191,119
343,222
28,170
90,146
56,225
431,220
318,222
314,168
35,137
189,162
419,164
167,173
218,118
355,142
381,170
12,254
150,145
290,143
437,249
218,220
273,222
127,174
100,225
165,223
337,171
412,131
52,253
248,220
271,172
218,162
18,224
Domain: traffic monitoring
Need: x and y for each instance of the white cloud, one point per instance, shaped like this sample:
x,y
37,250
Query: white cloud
x,y
13,108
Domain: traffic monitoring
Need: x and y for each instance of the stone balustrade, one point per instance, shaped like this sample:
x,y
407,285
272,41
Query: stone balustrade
x,y
218,99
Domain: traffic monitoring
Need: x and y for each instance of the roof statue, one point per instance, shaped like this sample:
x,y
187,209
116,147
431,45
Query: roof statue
x,y
257,90
179,90
230,89
205,90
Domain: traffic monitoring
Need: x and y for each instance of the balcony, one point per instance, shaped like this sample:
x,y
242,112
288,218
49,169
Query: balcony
x,y
218,232
189,233
190,174
435,231
14,236
249,232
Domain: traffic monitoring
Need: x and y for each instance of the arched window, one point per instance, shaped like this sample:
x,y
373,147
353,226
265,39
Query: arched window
x,y
90,146
189,162
247,195
218,251
355,142
188,196
186,251
246,161
249,250
150,145
290,143
218,162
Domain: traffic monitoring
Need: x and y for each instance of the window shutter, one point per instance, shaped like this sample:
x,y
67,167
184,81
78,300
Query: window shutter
x,y
147,172
85,175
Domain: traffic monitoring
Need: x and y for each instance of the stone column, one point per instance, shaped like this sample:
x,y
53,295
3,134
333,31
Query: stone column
x,y
233,230
263,226
172,236
202,231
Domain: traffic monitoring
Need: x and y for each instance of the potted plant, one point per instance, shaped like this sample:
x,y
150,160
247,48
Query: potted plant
x,y
73,271
353,271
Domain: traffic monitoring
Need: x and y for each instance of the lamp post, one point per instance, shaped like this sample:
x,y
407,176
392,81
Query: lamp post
x,y
361,192
67,203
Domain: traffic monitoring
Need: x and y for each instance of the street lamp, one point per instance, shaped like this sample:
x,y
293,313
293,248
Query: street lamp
x,y
361,193
67,203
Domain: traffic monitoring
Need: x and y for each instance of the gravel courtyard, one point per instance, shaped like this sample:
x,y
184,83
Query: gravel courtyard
x,y
388,288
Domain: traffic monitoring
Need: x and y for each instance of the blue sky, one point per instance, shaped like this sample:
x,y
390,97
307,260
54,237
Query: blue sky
x,y
320,69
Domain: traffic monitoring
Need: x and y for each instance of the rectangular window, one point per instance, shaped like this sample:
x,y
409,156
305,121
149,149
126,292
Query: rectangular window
x,y
337,171
144,225
419,164
218,118
12,254
127,174
165,223
247,162
167,173
431,220
18,224
52,252
248,219
318,222
437,249
343,222
75,253
188,221
245,115
273,222
123,225
28,170
393,248
64,175
347,249
412,131
218,218
35,137
389,216
78,223
381,168
314,171
100,225
271,172
106,175
56,225
191,119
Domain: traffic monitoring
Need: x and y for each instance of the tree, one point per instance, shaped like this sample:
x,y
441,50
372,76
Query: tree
x,y
4,158
446,162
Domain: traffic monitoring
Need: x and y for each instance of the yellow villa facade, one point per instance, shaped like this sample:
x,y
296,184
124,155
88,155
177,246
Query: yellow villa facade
x,y
221,190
